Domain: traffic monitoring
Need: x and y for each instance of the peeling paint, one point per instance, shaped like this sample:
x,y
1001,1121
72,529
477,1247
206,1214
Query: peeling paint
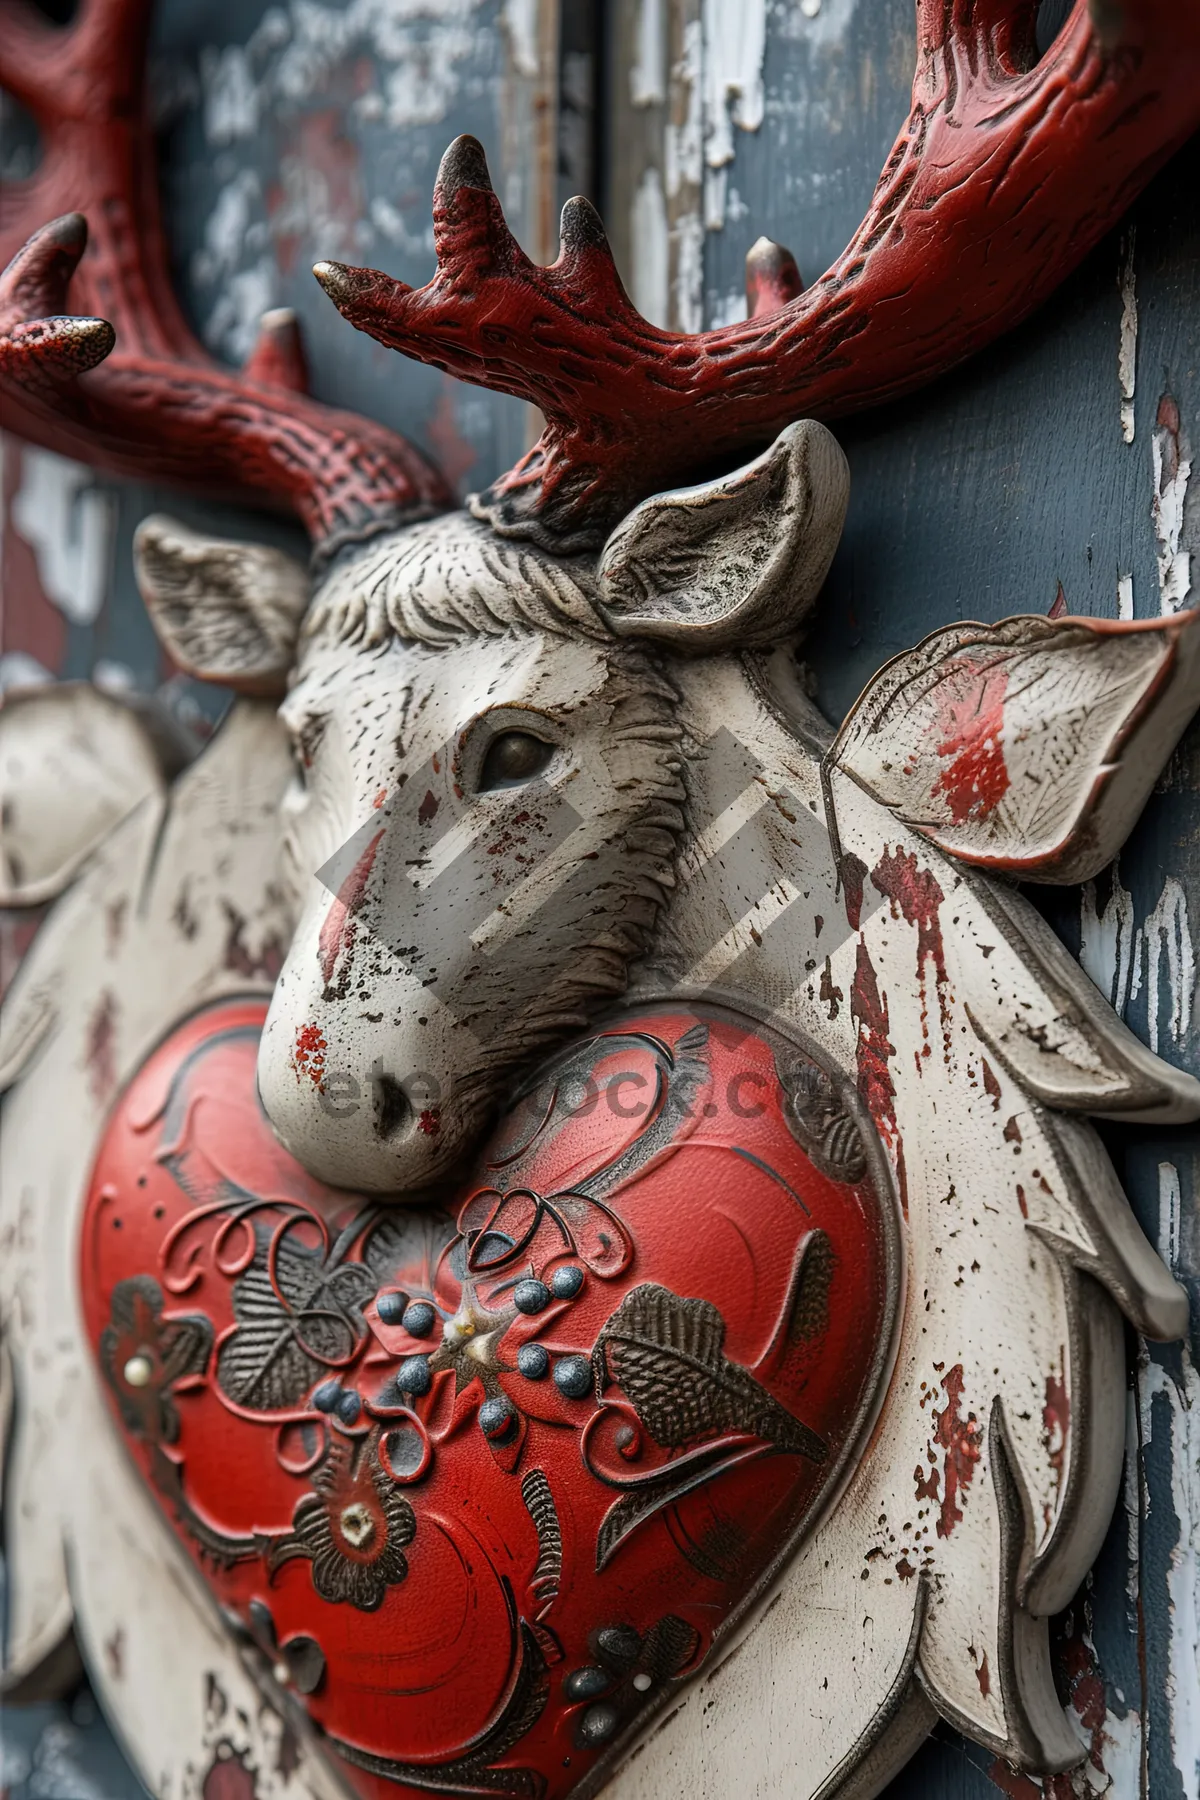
x,y
399,64
1108,939
735,44
651,262
1167,934
1172,472
68,523
1125,597
1127,352
1169,1397
521,23
1124,958
648,72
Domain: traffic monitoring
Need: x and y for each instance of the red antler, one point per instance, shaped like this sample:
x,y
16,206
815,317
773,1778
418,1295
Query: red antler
x,y
159,407
1005,174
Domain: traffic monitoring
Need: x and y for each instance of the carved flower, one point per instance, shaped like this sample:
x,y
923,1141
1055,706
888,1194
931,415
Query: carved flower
x,y
145,1357
354,1529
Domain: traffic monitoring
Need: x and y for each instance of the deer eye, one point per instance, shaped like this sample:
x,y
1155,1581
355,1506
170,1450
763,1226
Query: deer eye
x,y
513,757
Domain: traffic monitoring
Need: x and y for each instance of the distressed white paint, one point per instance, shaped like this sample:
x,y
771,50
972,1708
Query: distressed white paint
x,y
735,42
728,309
651,252
1123,958
1172,472
520,19
1181,1394
1131,1501
1167,937
242,291
68,523
421,52
683,145
648,71
232,101
1127,349
1170,1216
1125,597
1109,940
687,239
715,184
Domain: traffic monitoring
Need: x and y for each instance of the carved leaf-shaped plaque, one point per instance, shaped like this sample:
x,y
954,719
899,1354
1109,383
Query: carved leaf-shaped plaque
x,y
667,1354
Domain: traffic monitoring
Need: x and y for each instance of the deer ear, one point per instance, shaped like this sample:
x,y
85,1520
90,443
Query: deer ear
x,y
737,561
227,612
1029,746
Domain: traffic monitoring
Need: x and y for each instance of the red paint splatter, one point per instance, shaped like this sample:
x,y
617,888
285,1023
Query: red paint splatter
x,y
430,1121
904,1569
959,1441
427,811
873,1053
916,896
1056,1422
1022,1202
1059,606
308,1057
1012,1131
926,1485
229,1779
337,928
379,799
984,1677
970,724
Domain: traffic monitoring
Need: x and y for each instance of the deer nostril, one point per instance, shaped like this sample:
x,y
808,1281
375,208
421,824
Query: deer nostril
x,y
392,1109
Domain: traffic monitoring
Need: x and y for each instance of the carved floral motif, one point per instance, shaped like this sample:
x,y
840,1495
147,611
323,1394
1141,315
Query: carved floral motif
x,y
492,1446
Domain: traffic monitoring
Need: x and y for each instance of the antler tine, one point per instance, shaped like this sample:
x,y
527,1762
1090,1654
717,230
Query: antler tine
x,y
278,359
38,351
1007,172
156,406
772,278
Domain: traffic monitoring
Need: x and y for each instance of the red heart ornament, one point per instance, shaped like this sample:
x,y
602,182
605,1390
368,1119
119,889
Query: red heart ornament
x,y
484,1489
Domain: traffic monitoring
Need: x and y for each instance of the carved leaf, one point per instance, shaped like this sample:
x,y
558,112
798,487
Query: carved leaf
x,y
1030,745
677,1479
667,1355
281,1347
402,1243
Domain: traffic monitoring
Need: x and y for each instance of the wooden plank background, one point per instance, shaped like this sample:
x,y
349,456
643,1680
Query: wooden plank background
x,y
1060,459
